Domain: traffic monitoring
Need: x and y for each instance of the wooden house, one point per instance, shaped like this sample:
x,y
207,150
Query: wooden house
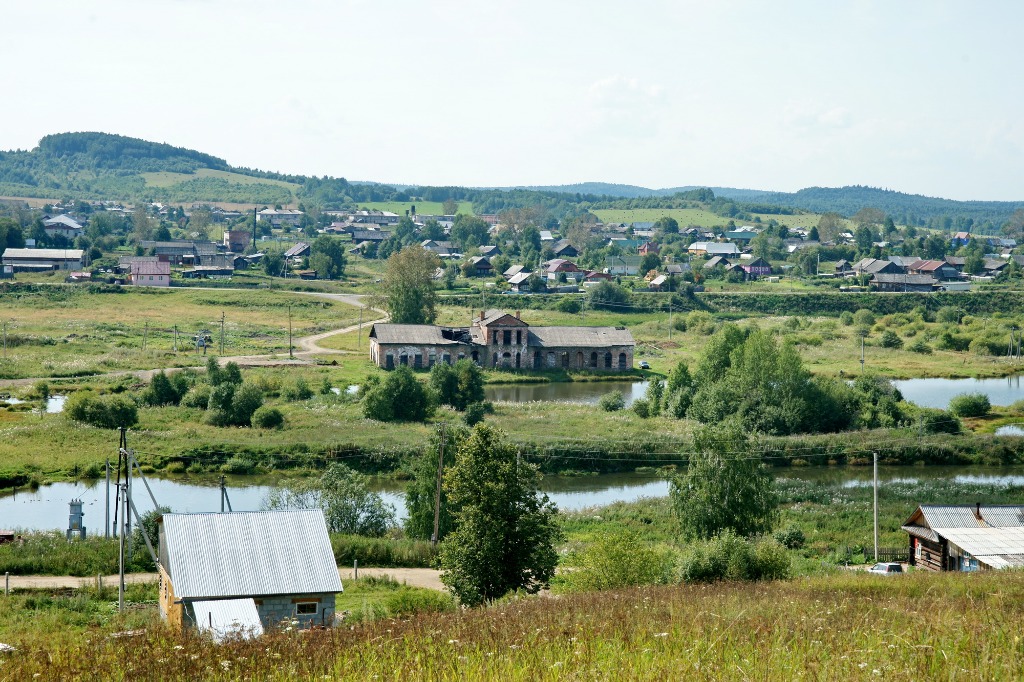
x,y
758,267
966,537
253,570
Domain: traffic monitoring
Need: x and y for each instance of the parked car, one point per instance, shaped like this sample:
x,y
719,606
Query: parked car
x,y
887,569
644,364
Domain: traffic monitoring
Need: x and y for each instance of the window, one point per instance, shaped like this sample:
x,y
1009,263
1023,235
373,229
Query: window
x,y
508,337
495,337
519,337
306,608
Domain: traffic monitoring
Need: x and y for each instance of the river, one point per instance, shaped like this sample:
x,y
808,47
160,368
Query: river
x,y
47,507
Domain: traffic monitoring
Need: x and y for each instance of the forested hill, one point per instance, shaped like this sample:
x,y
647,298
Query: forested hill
x,y
117,152
848,200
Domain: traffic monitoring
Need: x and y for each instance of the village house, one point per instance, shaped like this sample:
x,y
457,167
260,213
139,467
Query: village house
x,y
939,269
490,251
41,260
279,217
63,225
150,272
236,241
758,267
622,265
375,217
716,262
443,249
966,537
524,282
960,239
714,249
181,252
263,568
500,339
480,266
899,282
512,271
554,268
876,266
563,249
646,248
298,250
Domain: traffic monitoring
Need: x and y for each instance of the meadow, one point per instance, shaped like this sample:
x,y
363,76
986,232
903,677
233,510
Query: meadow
x,y
169,179
698,217
840,626
67,331
422,207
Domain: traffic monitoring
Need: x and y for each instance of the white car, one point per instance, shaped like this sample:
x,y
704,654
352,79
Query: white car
x,y
887,569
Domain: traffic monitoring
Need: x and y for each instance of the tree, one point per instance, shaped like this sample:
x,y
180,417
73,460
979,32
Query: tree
x,y
327,257
469,232
813,235
505,530
458,385
273,263
450,206
667,225
342,493
399,397
142,226
407,289
650,261
829,226
608,295
724,487
422,490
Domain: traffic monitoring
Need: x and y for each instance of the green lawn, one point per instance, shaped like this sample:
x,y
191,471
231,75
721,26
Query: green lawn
x,y
168,179
422,207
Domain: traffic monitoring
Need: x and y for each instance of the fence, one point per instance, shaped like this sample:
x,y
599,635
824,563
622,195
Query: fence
x,y
885,554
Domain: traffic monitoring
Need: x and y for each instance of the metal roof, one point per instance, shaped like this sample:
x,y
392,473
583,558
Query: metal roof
x,y
580,336
44,254
246,554
228,619
410,334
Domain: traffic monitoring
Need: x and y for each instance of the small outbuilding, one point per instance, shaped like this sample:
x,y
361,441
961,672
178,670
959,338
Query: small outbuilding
x,y
247,571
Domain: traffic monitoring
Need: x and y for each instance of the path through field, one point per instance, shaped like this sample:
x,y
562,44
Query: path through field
x,y
308,346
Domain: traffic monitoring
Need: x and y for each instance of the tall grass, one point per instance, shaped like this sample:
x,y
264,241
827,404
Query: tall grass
x,y
847,626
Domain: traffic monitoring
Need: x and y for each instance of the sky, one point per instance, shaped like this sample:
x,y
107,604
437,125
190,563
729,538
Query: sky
x,y
920,97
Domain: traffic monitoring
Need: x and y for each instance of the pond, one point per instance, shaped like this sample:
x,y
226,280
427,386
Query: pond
x,y
1011,430
587,392
54,404
47,507
938,392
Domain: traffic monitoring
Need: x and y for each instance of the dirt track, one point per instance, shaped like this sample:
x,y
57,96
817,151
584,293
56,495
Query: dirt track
x,y
417,577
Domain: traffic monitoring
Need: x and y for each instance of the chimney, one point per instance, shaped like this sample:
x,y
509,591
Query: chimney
x,y
977,510
517,315
481,316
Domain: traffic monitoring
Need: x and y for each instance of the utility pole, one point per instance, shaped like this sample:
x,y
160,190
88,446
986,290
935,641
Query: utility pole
x,y
106,506
222,333
862,355
175,338
876,505
670,321
123,494
437,495
359,333
145,335
290,356
222,493
5,339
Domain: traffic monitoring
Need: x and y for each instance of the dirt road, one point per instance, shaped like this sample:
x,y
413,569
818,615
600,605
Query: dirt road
x,y
417,577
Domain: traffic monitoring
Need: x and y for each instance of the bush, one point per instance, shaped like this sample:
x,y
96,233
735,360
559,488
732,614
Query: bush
x,y
618,560
612,402
106,413
239,465
846,318
864,318
475,413
939,421
730,557
198,396
267,418
921,347
970,405
407,601
569,305
299,390
398,397
790,537
948,314
890,340
642,408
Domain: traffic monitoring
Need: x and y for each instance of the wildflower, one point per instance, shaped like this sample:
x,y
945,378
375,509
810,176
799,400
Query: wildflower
x,y
862,665
226,665
178,647
661,634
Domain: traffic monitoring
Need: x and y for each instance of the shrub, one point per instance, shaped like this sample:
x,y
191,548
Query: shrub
x,y
198,396
325,386
569,305
407,601
239,465
921,347
939,421
864,318
299,390
890,340
730,557
612,402
846,318
618,560
161,391
106,413
267,418
790,537
398,397
642,408
1017,407
948,314
970,405
474,414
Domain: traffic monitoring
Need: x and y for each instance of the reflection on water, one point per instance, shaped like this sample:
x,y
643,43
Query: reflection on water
x,y
47,507
1010,430
589,392
938,392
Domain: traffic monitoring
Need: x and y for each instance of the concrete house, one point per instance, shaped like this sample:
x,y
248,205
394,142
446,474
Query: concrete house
x,y
258,568
63,225
966,537
282,216
236,241
499,339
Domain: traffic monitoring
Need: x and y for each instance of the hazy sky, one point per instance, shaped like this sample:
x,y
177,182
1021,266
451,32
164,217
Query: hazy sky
x,y
922,97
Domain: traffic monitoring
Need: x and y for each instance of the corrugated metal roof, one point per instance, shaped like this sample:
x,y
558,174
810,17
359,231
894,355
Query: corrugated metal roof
x,y
963,516
981,542
245,554
47,254
228,619
580,336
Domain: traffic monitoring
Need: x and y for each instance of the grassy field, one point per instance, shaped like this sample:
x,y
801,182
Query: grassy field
x,y
697,216
64,331
168,179
849,626
422,207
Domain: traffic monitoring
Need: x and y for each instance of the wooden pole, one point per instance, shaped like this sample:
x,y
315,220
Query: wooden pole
x,y
437,495
876,504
